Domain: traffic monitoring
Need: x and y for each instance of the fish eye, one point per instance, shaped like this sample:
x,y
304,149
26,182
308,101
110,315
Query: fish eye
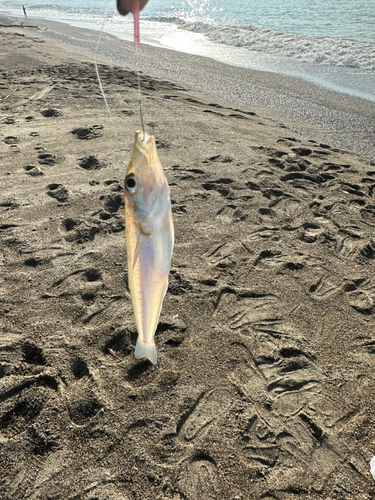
x,y
130,183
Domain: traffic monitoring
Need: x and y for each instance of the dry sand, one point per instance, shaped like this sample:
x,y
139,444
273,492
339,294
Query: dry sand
x,y
265,388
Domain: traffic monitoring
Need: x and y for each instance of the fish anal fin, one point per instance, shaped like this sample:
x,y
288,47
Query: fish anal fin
x,y
142,238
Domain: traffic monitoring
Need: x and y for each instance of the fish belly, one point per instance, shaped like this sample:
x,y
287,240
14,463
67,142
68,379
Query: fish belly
x,y
148,283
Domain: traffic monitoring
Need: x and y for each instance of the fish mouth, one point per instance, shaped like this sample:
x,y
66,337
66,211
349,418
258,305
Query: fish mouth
x,y
144,143
142,137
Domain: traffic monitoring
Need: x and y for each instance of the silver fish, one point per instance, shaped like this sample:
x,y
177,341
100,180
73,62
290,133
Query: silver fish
x,y
149,237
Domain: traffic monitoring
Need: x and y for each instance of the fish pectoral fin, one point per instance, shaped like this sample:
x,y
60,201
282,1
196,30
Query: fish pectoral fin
x,y
142,238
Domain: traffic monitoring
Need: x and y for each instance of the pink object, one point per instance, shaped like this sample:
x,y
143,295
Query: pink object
x,y
133,6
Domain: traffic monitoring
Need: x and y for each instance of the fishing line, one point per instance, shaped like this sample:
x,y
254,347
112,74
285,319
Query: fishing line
x,y
102,89
140,105
98,75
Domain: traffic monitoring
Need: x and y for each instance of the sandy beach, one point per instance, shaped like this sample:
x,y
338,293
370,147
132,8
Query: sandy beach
x,y
266,340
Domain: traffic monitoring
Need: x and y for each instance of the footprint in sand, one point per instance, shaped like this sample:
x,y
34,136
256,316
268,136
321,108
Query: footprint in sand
x,y
9,120
32,354
46,159
112,202
48,112
327,285
280,429
33,170
231,213
59,192
79,231
24,401
264,233
360,295
89,274
306,445
332,167
85,288
226,254
141,374
206,411
199,480
302,180
221,186
369,346
122,341
187,174
246,307
286,208
310,232
368,214
105,311
11,140
291,370
81,400
171,331
178,284
354,189
349,246
361,301
87,133
368,250
113,184
90,163
162,144
301,151
179,209
277,259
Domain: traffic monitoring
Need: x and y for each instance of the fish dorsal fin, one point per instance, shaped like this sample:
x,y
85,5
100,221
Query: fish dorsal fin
x,y
142,238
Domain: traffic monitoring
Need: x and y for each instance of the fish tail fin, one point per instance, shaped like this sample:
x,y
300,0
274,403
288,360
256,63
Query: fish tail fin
x,y
146,351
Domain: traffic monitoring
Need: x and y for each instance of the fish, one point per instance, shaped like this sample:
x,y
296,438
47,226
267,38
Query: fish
x,y
149,240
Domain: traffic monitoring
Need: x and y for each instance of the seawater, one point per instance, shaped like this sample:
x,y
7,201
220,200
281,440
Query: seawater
x,y
330,42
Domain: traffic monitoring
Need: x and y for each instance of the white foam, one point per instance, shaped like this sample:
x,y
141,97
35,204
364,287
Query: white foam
x,y
319,50
341,65
325,51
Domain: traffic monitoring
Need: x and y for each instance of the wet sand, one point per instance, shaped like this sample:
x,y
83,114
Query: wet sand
x,y
266,338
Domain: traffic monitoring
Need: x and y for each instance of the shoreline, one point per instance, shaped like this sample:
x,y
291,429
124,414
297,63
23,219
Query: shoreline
x,y
342,120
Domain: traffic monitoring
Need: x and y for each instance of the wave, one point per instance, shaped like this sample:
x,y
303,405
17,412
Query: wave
x,y
78,12
316,50
322,51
